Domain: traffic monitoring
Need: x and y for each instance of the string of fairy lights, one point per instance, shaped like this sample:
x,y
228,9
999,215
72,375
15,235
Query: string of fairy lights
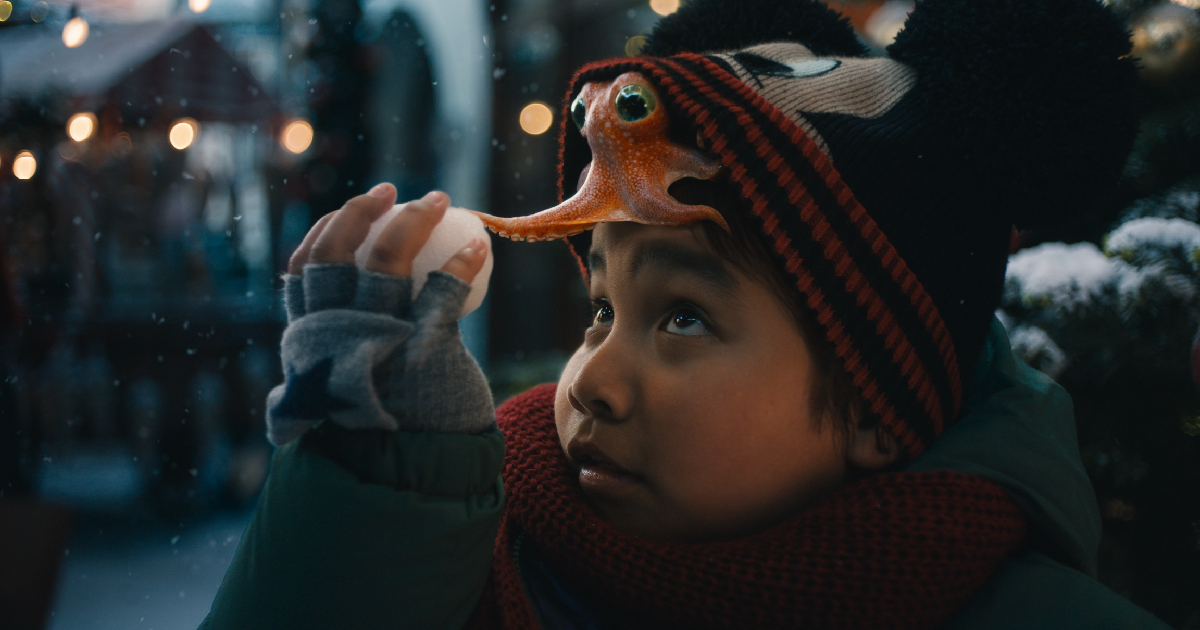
x,y
297,135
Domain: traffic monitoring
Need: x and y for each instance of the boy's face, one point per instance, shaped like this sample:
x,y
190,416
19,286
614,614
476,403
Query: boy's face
x,y
686,409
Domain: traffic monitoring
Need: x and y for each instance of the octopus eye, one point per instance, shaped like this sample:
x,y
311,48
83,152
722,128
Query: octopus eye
x,y
635,102
579,111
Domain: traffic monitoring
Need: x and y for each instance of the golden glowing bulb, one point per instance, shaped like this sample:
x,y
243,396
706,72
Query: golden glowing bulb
x,y
183,133
634,45
297,136
75,32
24,165
536,118
81,126
664,7
5,10
199,6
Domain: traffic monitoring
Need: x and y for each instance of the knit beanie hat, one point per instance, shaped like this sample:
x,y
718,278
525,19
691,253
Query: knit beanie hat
x,y
888,186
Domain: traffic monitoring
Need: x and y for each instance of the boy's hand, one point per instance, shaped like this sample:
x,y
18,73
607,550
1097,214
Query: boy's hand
x,y
338,234
359,350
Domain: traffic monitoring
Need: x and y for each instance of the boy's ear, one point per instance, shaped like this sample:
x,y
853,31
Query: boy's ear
x,y
872,449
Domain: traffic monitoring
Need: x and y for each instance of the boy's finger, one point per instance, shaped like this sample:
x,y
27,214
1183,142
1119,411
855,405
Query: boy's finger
x,y
349,226
300,256
465,264
404,236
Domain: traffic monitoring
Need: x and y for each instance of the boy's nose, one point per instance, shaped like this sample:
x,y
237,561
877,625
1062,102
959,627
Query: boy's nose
x,y
602,387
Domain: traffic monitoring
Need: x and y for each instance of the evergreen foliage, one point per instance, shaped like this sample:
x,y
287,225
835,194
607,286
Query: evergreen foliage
x,y
1114,318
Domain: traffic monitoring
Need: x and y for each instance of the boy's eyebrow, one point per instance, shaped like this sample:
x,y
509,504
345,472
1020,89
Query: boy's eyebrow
x,y
705,267
595,261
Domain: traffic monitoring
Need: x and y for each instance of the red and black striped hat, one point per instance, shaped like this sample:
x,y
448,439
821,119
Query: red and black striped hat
x,y
888,186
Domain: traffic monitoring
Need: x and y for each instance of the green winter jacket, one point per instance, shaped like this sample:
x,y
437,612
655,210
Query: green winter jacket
x,y
406,539
1019,431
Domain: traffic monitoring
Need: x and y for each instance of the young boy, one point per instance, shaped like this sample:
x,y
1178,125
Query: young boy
x,y
793,407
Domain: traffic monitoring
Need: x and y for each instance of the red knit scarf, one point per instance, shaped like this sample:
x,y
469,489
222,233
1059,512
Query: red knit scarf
x,y
895,550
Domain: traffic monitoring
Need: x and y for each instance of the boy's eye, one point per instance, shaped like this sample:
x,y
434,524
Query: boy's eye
x,y
602,313
687,323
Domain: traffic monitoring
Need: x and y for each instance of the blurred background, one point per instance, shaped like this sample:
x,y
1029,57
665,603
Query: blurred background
x,y
160,160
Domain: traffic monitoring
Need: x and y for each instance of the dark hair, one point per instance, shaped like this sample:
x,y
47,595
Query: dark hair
x,y
834,397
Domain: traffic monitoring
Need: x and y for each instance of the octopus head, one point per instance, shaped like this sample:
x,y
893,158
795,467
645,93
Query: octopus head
x,y
633,164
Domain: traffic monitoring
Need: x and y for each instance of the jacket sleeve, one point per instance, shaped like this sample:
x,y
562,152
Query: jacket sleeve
x,y
384,498
327,550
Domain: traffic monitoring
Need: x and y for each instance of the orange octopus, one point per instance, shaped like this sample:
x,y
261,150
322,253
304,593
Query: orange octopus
x,y
633,164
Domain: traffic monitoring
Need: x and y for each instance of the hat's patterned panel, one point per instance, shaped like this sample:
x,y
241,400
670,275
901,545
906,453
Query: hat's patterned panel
x,y
796,82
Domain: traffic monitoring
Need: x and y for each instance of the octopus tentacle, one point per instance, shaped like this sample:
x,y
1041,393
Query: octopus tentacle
x,y
633,165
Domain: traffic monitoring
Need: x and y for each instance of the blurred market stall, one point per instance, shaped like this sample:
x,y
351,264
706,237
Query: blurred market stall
x,y
160,160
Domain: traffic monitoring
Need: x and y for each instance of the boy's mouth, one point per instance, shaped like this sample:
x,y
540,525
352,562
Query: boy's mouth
x,y
598,474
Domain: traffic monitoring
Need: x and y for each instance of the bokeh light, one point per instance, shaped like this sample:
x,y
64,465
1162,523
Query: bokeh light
x,y
75,32
536,118
24,165
183,133
39,12
81,126
297,136
5,10
664,7
634,45
885,23
199,6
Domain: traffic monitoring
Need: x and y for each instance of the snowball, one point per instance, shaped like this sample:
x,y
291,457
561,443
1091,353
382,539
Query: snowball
x,y
456,229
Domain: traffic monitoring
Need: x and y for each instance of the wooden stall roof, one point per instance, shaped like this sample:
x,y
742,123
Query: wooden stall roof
x,y
172,67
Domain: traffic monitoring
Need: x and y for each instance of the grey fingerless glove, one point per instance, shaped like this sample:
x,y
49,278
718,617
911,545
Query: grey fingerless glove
x,y
360,352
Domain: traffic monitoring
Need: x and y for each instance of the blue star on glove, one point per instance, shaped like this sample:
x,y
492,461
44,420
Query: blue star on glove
x,y
306,394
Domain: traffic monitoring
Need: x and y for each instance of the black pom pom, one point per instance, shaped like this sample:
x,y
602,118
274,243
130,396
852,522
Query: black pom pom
x,y
718,25
1040,96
